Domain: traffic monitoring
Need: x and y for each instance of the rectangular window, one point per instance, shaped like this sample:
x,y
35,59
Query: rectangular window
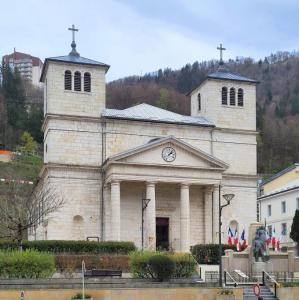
x,y
269,210
297,203
283,228
270,230
283,207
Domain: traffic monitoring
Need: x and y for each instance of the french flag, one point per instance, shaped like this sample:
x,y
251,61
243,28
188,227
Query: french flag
x,y
242,243
230,236
273,240
236,239
268,241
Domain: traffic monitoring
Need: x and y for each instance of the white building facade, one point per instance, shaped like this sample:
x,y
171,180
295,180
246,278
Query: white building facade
x,y
109,163
278,203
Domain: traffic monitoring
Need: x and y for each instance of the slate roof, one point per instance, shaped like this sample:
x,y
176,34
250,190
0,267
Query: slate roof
x,y
225,74
149,113
73,59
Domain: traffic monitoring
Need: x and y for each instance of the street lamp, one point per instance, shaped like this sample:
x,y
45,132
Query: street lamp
x,y
228,198
145,203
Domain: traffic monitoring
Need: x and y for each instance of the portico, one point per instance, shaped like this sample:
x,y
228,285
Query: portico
x,y
188,204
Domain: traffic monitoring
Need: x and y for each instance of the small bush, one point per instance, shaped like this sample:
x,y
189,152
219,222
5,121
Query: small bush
x,y
289,284
75,247
226,292
26,264
80,296
208,253
162,266
184,264
139,264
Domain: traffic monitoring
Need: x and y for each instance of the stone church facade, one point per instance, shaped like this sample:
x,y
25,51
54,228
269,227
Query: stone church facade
x,y
108,164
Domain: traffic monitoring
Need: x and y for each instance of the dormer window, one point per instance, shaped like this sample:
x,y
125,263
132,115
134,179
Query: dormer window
x,y
77,81
68,80
232,96
224,96
240,97
198,102
87,85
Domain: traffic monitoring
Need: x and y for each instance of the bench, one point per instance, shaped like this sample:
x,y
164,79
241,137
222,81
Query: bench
x,y
102,273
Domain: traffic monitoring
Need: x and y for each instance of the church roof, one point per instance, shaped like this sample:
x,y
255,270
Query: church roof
x,y
223,73
73,59
149,113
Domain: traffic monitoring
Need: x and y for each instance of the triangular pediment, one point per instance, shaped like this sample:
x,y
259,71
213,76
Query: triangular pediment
x,y
169,151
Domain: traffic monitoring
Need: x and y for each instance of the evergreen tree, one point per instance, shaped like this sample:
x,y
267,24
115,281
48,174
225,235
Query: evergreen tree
x,y
14,94
294,234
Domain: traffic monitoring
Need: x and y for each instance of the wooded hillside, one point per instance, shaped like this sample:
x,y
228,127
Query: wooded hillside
x,y
277,100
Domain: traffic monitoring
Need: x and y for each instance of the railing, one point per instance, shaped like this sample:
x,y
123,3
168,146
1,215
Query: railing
x,y
232,282
267,278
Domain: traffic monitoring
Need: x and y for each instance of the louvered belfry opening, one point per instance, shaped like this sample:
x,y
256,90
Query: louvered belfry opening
x,y
224,96
87,83
240,97
68,80
77,81
232,97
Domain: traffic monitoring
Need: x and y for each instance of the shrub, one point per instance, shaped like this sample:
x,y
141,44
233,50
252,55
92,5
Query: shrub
x,y
139,264
58,246
226,292
184,264
80,296
26,264
208,253
69,263
162,266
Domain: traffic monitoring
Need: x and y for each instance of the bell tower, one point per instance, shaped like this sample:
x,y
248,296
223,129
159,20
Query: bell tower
x,y
74,97
225,98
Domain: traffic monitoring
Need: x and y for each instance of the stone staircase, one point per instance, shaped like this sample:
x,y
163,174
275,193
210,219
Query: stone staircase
x,y
265,293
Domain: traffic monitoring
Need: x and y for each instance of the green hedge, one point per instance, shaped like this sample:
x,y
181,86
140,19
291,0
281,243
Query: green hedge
x,y
74,247
26,264
140,267
208,253
162,266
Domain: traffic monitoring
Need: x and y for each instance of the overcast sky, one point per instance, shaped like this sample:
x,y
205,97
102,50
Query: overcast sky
x,y
139,36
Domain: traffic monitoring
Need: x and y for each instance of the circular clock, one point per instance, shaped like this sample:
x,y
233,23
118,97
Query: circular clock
x,y
168,154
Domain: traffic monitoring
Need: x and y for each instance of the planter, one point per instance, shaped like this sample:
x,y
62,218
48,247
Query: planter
x,y
225,297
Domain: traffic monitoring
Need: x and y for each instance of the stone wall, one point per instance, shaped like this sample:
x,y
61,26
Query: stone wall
x,y
155,293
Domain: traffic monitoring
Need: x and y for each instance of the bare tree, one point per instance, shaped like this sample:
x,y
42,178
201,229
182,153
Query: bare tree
x,y
23,208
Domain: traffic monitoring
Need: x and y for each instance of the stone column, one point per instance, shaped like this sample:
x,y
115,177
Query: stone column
x,y
107,212
150,217
215,214
208,215
115,211
185,218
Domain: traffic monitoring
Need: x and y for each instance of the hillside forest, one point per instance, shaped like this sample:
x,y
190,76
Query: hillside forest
x,y
277,102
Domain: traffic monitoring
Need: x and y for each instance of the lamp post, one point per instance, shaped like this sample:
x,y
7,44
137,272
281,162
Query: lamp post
x,y
145,203
227,198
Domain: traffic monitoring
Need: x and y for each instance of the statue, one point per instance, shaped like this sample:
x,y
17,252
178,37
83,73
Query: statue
x,y
259,245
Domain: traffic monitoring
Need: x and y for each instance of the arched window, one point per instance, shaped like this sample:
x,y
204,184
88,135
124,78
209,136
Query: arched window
x,y
199,101
77,81
87,87
232,96
68,80
224,96
240,97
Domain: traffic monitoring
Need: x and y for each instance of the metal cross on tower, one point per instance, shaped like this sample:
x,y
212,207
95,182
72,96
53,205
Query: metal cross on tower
x,y
221,49
74,51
